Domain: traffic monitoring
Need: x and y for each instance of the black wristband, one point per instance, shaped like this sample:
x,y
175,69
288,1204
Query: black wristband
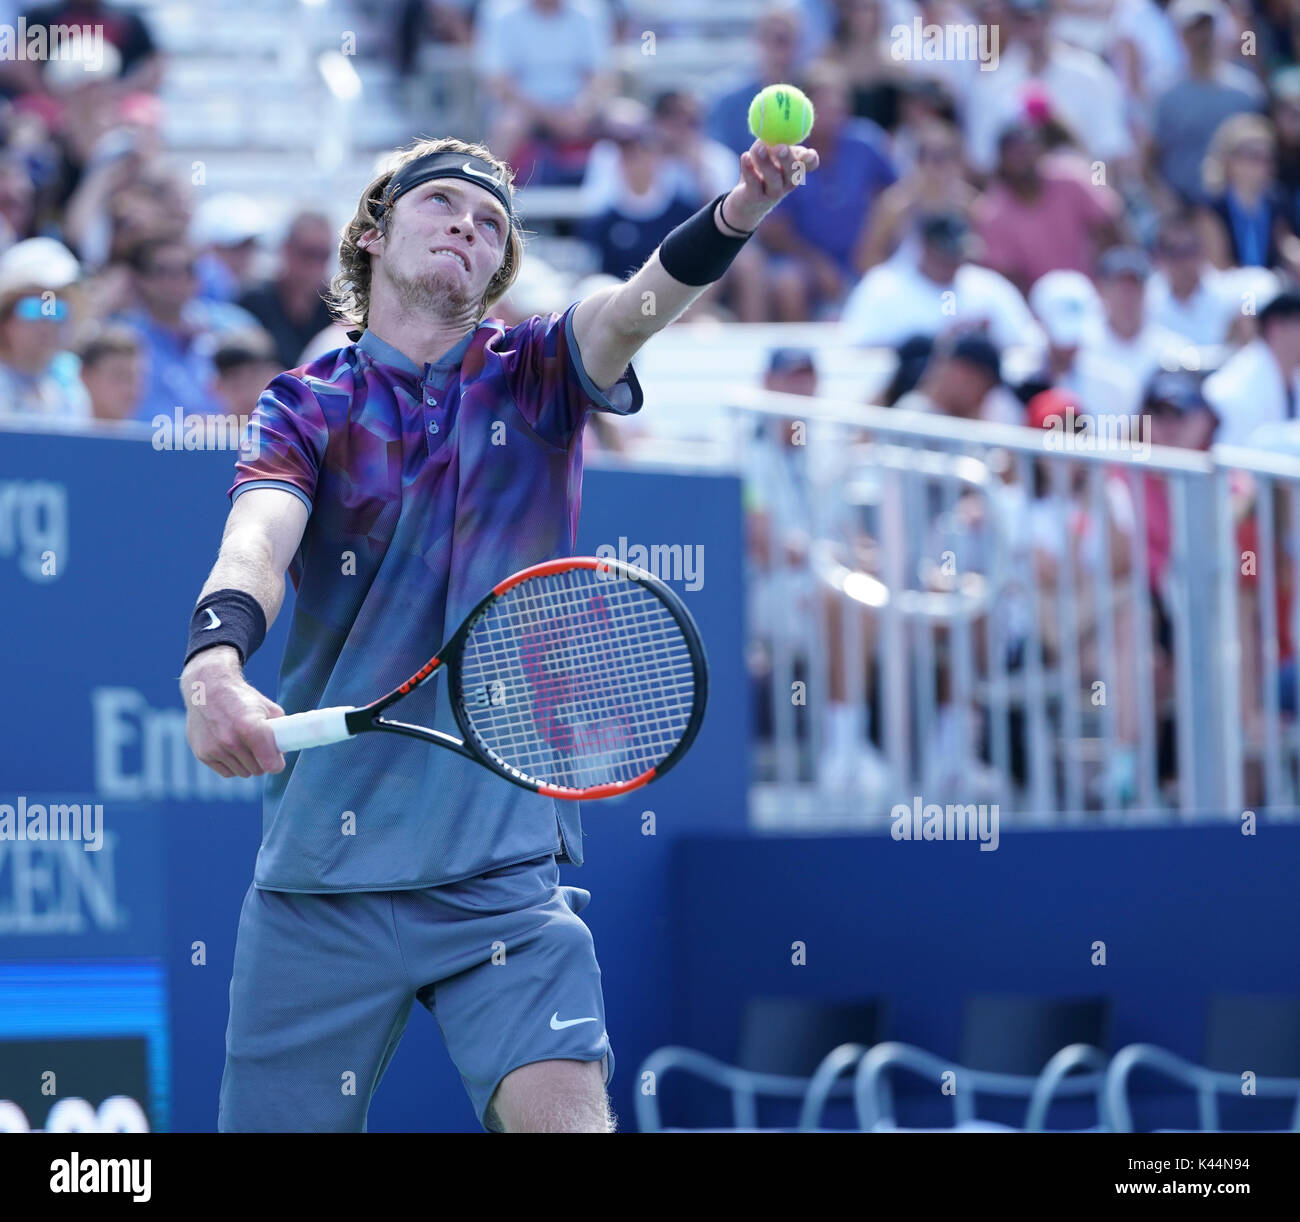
x,y
696,252
227,617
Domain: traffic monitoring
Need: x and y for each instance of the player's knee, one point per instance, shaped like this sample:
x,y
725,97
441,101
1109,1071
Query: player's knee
x,y
559,1096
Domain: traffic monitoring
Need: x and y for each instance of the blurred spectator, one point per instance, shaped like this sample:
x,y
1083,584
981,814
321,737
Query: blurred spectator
x,y
1244,221
545,64
1125,336
1274,23
174,329
777,34
1180,414
444,21
1081,87
225,230
112,371
1256,389
817,228
245,362
38,376
1186,293
706,168
861,49
1285,113
1148,55
97,176
17,201
1061,527
635,201
1067,305
291,307
136,58
1189,113
157,203
961,372
1037,216
934,185
921,103
943,290
786,509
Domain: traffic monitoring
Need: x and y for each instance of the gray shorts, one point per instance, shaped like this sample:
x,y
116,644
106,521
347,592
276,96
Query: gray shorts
x,y
323,985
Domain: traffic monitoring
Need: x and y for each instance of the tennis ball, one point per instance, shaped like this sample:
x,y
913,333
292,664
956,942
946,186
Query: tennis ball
x,y
780,114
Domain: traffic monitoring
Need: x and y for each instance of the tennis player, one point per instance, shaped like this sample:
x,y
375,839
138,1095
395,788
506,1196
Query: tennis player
x,y
397,480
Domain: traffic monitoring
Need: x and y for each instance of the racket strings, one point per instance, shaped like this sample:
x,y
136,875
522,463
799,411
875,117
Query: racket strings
x,y
578,678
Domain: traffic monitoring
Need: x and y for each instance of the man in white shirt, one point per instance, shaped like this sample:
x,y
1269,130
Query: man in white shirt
x,y
1256,390
1070,310
1082,88
1186,293
545,64
1125,336
941,291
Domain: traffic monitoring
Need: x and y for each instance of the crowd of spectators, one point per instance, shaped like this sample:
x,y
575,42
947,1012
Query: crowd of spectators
x,y
126,289
1114,191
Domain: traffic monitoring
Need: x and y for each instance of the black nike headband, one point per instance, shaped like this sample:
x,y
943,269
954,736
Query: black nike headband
x,y
446,164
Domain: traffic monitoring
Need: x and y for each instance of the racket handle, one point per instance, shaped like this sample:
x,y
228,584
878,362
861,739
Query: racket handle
x,y
313,729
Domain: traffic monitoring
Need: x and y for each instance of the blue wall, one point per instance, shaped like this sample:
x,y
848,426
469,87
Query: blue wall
x,y
1184,914
90,655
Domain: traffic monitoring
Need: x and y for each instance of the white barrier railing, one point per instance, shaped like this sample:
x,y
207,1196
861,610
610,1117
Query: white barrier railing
x,y
1021,638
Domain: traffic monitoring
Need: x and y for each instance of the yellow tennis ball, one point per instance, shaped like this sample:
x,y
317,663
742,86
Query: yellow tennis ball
x,y
780,114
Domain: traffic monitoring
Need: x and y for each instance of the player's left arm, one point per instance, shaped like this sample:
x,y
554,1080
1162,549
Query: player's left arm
x,y
612,324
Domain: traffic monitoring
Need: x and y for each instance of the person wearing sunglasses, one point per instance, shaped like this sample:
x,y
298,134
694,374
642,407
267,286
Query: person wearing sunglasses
x,y
292,306
38,375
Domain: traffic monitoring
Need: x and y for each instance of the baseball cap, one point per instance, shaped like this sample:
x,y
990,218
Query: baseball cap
x,y
975,349
791,360
1283,304
40,263
1067,305
627,121
1053,404
1123,261
1183,13
947,232
1176,389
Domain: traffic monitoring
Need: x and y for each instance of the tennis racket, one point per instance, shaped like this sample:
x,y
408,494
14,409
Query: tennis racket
x,y
576,678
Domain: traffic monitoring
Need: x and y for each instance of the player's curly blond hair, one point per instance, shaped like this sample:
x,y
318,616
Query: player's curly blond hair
x,y
349,291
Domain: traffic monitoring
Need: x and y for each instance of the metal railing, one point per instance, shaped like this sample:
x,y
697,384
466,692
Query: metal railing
x,y
1025,634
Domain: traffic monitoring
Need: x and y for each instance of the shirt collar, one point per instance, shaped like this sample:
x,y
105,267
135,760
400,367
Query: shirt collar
x,y
385,354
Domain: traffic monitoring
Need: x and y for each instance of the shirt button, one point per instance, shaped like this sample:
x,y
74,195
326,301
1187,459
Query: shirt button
x,y
431,401
433,426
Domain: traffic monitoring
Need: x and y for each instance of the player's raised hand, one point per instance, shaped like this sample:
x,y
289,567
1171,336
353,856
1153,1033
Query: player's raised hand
x,y
227,719
768,173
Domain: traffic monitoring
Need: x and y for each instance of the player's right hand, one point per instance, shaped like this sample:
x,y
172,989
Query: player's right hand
x,y
227,720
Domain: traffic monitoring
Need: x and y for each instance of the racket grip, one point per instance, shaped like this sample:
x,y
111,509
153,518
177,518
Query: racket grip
x,y
313,729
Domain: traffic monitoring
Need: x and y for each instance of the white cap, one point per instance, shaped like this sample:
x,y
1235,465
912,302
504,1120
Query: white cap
x,y
227,220
1182,13
40,263
1067,305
